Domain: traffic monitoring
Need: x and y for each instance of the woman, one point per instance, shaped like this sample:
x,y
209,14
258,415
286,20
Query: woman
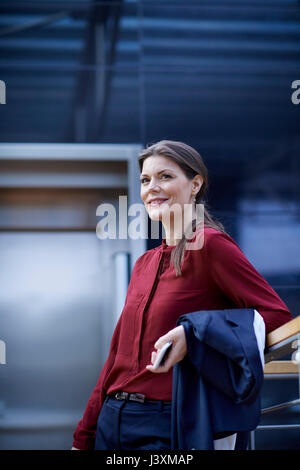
x,y
134,397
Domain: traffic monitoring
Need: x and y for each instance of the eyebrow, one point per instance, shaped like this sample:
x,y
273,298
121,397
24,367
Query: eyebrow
x,y
161,171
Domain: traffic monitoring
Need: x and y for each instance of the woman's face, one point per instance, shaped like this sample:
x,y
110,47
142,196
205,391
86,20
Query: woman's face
x,y
163,183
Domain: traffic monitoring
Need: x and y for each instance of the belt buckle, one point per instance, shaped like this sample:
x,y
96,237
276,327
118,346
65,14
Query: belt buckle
x,y
121,396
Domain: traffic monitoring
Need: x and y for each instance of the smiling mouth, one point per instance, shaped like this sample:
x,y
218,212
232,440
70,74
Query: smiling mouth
x,y
157,202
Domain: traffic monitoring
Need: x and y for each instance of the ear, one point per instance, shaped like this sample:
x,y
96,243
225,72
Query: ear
x,y
197,183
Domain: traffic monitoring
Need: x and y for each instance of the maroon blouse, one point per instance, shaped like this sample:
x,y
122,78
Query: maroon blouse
x,y
217,276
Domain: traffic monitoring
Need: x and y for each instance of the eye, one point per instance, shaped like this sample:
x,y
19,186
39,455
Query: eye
x,y
143,180
163,176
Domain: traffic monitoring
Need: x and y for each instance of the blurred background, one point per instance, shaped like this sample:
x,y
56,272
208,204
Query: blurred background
x,y
88,84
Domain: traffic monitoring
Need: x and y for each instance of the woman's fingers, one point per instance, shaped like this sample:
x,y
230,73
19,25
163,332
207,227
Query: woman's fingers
x,y
177,352
153,356
162,340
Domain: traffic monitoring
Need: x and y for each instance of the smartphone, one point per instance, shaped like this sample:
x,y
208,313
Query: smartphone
x,y
162,355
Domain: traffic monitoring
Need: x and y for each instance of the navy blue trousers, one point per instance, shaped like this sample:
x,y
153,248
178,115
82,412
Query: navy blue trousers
x,y
128,425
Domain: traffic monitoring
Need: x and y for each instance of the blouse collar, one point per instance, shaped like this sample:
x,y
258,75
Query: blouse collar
x,y
166,247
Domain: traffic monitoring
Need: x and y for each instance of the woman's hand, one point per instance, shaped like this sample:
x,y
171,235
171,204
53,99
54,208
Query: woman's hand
x,y
177,352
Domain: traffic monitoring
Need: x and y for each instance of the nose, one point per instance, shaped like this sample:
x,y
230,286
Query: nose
x,y
153,185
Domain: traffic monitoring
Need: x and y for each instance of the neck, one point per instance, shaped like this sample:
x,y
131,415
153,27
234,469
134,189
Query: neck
x,y
175,231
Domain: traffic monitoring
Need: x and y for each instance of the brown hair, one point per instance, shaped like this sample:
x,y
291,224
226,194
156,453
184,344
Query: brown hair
x,y
191,163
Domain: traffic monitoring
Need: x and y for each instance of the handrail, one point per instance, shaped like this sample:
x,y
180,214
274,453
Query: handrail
x,y
283,332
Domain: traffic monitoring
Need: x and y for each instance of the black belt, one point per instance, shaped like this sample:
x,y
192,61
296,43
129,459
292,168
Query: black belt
x,y
139,397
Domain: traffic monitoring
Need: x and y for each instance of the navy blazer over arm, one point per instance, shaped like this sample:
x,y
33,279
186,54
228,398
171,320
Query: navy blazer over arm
x,y
216,387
